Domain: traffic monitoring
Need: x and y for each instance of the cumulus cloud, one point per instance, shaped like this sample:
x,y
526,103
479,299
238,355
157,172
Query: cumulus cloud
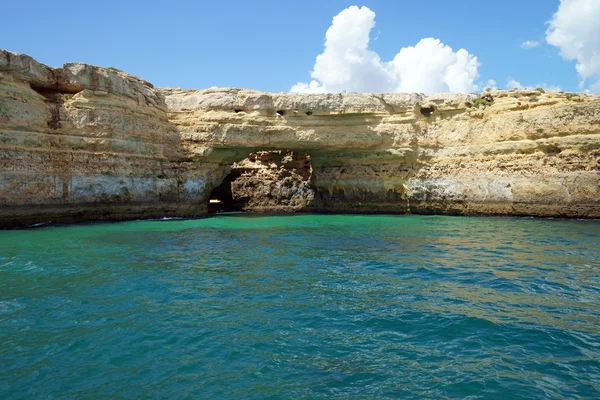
x,y
514,84
492,84
546,86
575,31
431,66
312,87
347,63
529,44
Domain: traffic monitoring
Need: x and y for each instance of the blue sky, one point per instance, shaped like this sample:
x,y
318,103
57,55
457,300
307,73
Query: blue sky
x,y
272,45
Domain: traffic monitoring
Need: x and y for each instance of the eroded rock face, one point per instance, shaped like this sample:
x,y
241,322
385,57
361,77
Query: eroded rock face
x,y
527,153
83,142
274,181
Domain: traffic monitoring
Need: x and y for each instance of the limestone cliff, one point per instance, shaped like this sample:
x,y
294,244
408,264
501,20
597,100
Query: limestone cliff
x,y
521,152
270,181
83,142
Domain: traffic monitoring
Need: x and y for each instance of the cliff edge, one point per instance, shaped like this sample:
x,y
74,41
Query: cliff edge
x,y
83,143
519,152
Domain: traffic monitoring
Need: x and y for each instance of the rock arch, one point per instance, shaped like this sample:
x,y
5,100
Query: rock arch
x,y
266,181
86,143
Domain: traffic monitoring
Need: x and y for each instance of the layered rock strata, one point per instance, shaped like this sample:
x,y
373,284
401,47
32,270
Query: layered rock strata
x,y
83,142
520,152
269,181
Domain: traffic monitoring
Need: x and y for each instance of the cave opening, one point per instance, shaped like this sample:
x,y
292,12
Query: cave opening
x,y
221,197
427,111
265,181
54,94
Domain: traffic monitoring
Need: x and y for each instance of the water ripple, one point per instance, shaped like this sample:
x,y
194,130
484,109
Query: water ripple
x,y
302,306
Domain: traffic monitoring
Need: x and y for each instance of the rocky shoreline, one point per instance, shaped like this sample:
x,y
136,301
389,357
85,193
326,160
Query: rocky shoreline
x,y
89,143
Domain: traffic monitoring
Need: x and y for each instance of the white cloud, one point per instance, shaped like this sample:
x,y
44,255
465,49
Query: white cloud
x,y
575,30
431,67
529,44
513,84
545,86
492,84
312,87
347,63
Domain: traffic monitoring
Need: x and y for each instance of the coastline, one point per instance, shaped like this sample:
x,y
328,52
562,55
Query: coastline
x,y
82,143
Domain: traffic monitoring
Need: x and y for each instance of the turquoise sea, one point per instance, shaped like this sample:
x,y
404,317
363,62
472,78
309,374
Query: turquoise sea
x,y
302,306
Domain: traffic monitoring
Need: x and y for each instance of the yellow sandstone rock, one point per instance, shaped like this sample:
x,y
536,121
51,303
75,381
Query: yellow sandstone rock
x,y
526,153
83,142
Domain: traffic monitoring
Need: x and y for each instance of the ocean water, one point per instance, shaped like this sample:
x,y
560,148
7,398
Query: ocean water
x,y
302,306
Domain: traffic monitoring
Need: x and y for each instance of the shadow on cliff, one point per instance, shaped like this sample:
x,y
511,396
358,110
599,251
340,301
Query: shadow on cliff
x,y
266,181
296,181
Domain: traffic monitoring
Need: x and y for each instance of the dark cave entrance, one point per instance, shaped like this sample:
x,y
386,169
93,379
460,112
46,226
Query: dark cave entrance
x,y
221,197
265,181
